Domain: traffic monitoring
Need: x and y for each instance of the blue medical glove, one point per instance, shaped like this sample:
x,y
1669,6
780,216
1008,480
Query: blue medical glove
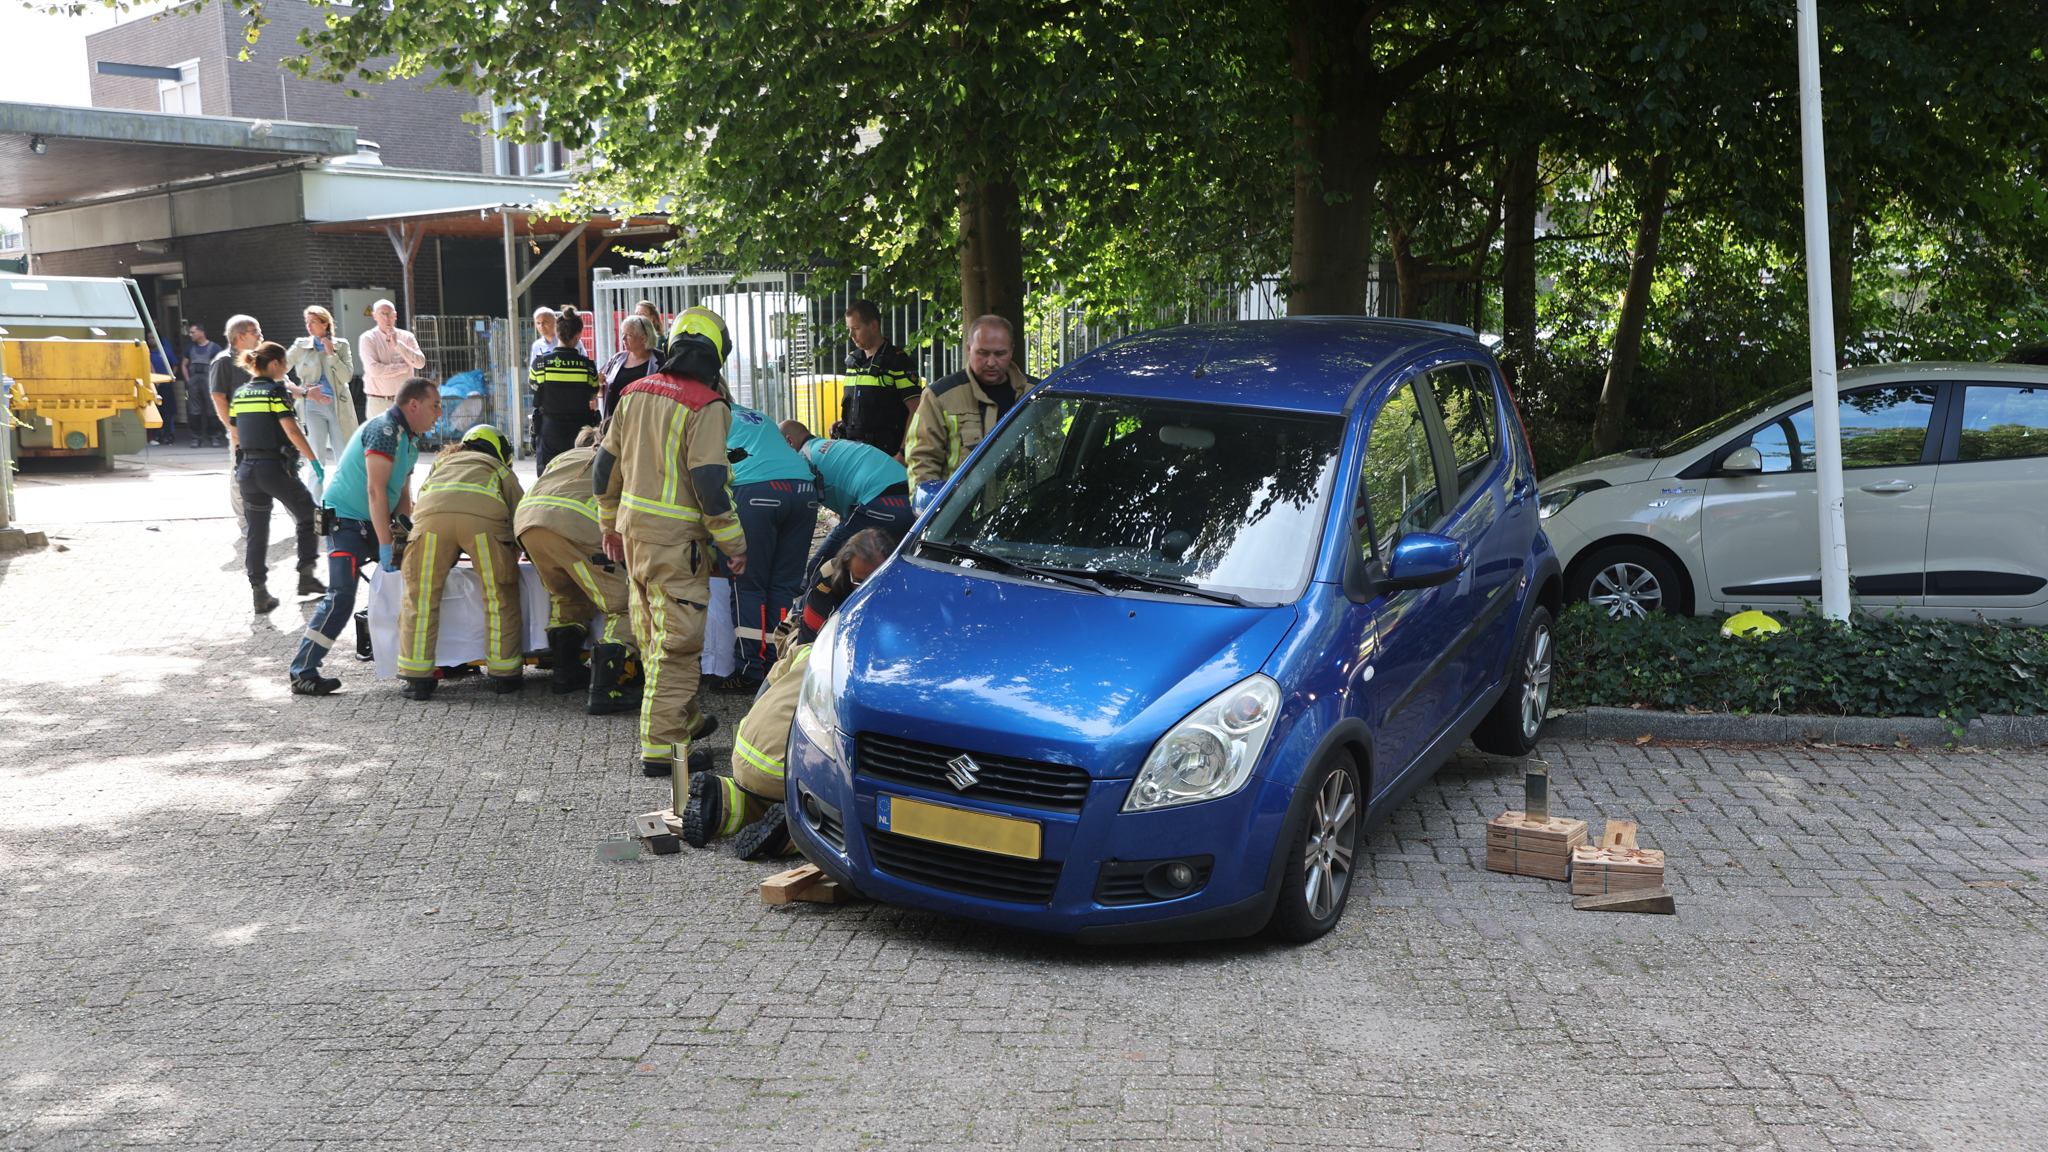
x,y
319,473
384,557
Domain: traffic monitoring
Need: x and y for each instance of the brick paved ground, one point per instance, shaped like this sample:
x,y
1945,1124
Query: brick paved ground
x,y
234,918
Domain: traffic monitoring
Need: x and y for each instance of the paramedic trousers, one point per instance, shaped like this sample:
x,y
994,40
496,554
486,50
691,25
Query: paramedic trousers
x,y
351,549
430,553
777,518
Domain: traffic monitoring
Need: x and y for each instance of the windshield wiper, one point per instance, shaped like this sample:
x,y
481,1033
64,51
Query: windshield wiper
x,y
969,552
1180,586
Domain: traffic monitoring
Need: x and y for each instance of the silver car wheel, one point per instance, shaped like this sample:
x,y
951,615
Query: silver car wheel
x,y
1332,840
1626,589
1536,681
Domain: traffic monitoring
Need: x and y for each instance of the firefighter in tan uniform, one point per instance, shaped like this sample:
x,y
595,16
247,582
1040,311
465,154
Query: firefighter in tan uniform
x,y
958,411
751,804
558,528
663,485
464,508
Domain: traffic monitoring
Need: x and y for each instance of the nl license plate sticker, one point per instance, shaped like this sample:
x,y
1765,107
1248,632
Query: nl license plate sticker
x,y
985,831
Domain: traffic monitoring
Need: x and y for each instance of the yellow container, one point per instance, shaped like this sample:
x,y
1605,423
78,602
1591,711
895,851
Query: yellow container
x,y
816,401
72,385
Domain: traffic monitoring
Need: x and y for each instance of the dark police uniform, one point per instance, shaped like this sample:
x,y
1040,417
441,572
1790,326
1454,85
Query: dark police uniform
x,y
564,381
874,394
268,470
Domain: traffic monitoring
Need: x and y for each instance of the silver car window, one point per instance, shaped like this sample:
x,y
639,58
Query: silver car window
x,y
2001,423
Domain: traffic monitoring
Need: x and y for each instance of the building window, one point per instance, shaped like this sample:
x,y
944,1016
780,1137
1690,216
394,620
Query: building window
x,y
180,95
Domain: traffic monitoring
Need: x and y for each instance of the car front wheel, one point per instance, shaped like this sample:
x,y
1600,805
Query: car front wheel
x,y
1324,843
1629,581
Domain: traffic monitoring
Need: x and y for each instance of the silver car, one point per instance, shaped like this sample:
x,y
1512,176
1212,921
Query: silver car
x,y
1945,473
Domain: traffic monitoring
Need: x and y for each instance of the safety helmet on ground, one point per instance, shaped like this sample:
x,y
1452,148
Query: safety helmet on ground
x,y
701,321
484,438
1752,624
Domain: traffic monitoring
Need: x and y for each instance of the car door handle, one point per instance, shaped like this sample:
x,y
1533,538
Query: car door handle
x,y
1890,486
1520,490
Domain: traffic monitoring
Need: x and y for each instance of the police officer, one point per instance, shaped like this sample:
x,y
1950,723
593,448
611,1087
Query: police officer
x,y
881,389
558,529
958,411
750,803
663,484
260,411
566,387
466,507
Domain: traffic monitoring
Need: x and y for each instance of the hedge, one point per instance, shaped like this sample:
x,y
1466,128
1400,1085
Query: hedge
x,y
1885,665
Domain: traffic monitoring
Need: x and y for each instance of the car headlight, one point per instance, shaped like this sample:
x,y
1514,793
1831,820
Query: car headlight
x,y
817,707
1552,502
1211,752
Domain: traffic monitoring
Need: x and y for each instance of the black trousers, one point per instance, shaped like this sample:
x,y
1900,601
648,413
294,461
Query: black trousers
x,y
556,435
263,481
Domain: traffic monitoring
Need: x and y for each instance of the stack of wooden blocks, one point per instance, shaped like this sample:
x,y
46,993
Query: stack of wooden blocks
x,y
1616,864
1528,847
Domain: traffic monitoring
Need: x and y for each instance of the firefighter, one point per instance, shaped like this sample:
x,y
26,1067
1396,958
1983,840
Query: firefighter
x,y
958,411
558,530
566,386
663,484
751,802
465,507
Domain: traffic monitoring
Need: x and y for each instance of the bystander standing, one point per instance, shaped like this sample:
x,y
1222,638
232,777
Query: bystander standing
x,y
390,357
630,363
200,417
323,364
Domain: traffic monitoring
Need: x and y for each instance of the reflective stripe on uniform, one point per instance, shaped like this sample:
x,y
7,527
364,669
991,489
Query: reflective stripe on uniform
x,y
660,507
756,757
586,507
491,490
735,806
650,670
729,532
413,657
494,595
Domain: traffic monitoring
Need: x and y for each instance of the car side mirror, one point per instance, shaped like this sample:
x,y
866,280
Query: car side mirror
x,y
1423,560
1743,459
925,494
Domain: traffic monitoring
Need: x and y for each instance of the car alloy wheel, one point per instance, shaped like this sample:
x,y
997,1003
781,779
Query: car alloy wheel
x,y
1332,841
1536,680
1626,589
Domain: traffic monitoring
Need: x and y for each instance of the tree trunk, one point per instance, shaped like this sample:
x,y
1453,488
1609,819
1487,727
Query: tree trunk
x,y
1635,306
1407,275
1842,221
1518,271
1337,165
992,254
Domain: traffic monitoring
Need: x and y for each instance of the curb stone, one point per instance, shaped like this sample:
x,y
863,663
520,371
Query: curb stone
x,y
1726,727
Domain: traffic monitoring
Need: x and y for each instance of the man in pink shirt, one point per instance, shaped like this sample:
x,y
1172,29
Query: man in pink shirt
x,y
390,357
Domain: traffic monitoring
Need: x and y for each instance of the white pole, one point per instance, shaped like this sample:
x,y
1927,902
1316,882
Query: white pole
x,y
511,365
1820,310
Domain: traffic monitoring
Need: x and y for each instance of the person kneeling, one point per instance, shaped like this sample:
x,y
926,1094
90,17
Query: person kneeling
x,y
749,803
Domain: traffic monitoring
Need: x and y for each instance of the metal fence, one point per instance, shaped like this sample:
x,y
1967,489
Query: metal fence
x,y
789,333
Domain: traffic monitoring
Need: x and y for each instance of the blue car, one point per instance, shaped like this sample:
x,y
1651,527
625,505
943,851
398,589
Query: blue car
x,y
1206,605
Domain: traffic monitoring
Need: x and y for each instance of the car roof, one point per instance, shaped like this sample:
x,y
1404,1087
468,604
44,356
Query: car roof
x,y
1953,369
1300,364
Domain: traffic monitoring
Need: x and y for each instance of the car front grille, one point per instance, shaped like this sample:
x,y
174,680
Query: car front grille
x,y
1004,779
969,872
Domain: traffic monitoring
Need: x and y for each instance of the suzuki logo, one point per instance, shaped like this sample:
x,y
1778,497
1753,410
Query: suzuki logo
x,y
965,773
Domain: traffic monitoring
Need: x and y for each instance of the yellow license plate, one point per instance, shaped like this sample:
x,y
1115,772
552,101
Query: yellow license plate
x,y
1003,835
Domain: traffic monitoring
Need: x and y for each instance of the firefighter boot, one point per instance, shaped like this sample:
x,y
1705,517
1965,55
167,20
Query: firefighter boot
x,y
418,688
570,673
766,837
608,692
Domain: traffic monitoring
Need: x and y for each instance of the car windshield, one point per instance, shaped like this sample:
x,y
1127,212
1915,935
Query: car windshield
x,y
1708,431
1146,495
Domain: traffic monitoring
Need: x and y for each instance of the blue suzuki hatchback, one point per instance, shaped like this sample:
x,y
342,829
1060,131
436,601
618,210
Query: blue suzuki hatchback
x,y
1205,606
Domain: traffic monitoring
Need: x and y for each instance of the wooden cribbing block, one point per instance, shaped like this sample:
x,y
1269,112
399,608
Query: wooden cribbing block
x,y
1618,834
788,887
825,892
1532,847
653,828
1597,870
1656,901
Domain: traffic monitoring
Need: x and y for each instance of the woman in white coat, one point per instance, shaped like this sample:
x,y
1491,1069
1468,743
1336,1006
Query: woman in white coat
x,y
324,365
